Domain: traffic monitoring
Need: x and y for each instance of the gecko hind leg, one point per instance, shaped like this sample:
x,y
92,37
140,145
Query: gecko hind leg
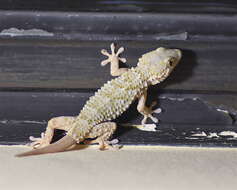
x,y
63,123
102,133
114,59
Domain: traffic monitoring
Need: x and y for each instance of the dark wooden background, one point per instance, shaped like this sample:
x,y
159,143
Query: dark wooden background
x,y
50,65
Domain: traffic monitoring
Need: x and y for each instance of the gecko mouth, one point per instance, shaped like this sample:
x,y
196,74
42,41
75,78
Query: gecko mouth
x,y
164,74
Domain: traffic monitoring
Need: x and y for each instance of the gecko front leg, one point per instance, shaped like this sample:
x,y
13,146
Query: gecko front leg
x,y
114,59
147,111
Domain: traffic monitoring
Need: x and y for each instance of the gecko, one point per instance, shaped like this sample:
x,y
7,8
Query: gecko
x,y
95,120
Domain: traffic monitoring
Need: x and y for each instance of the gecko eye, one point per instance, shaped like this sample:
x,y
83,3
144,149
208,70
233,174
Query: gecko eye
x,y
171,61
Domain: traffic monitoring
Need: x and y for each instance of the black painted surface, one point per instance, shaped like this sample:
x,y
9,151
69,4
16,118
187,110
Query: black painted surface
x,y
41,106
26,113
181,135
72,65
50,65
118,26
204,6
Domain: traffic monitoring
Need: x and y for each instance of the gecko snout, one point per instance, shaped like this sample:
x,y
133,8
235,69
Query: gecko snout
x,y
179,53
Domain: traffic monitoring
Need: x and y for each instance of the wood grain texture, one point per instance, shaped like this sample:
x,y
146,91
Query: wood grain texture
x,y
72,65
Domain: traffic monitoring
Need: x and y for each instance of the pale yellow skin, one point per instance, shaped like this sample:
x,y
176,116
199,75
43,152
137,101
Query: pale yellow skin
x,y
156,65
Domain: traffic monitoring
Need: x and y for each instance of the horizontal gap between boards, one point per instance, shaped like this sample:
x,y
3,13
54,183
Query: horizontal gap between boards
x,y
92,90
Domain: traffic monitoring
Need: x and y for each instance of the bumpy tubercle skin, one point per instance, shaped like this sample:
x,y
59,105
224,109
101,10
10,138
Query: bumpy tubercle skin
x,y
115,96
110,101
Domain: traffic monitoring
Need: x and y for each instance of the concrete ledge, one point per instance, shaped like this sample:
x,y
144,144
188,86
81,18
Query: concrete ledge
x,y
132,167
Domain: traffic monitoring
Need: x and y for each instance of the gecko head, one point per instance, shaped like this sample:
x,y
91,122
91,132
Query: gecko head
x,y
160,63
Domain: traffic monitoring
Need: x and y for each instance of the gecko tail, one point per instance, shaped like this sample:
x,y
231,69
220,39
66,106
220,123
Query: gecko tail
x,y
58,146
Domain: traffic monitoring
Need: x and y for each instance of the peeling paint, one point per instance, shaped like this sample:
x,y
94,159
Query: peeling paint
x,y
191,138
177,36
231,114
36,122
222,110
173,98
202,134
179,98
212,135
228,133
4,121
146,127
20,121
22,32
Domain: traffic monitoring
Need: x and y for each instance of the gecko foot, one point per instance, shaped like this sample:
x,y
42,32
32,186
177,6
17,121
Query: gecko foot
x,y
107,145
113,57
150,112
39,142
104,145
114,144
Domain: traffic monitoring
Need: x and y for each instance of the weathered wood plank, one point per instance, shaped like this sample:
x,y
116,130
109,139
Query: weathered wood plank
x,y
45,53
204,6
178,108
36,108
208,66
110,26
187,119
181,135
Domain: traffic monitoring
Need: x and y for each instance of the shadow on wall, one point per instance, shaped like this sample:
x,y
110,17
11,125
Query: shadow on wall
x,y
182,72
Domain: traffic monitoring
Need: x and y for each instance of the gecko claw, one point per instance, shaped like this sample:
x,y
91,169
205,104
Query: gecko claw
x,y
112,47
105,62
113,142
105,52
154,119
158,110
124,60
38,142
120,50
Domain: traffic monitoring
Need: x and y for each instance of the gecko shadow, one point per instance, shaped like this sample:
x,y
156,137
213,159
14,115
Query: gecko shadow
x,y
182,72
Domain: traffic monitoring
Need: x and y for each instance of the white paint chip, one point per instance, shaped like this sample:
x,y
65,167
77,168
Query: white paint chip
x,y
146,127
177,36
21,32
202,134
228,133
221,110
178,98
213,135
